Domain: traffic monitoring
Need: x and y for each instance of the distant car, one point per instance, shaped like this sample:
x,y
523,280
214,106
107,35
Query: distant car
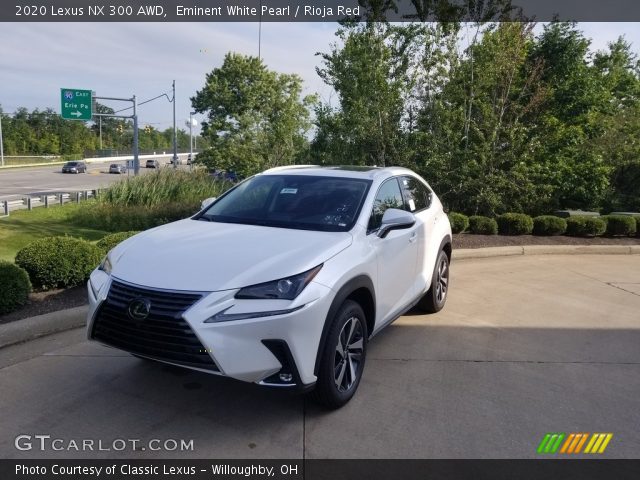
x,y
151,163
115,168
74,167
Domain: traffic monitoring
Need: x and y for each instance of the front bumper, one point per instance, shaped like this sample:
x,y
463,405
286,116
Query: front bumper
x,y
252,350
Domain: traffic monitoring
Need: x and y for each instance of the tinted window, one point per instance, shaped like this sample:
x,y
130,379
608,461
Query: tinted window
x,y
292,201
417,194
388,196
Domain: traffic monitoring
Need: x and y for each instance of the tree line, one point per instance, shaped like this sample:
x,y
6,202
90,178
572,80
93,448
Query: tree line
x,y
496,117
44,132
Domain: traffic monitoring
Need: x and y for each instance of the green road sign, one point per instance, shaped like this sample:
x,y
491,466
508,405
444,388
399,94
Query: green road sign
x,y
75,104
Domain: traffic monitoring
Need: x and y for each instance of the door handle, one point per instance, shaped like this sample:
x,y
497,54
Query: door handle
x,y
413,237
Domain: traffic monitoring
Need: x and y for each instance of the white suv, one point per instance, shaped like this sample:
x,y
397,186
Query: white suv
x,y
282,280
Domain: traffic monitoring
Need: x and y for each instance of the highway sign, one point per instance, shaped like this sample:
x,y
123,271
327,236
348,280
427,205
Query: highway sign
x,y
75,104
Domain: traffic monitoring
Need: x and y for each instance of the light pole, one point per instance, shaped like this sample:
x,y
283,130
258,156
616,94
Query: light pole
x,y
1,143
175,130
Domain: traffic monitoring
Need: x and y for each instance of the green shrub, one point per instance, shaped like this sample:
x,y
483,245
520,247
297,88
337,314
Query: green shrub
x,y
107,243
482,225
459,222
585,226
621,225
167,186
53,262
118,218
549,225
15,286
514,224
637,217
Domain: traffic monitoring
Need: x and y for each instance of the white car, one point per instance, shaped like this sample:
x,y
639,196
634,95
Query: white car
x,y
282,280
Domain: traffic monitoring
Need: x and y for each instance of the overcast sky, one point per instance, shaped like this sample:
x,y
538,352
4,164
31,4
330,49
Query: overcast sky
x,y
119,60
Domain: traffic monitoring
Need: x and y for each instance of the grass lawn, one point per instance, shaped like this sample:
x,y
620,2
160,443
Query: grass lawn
x,y
24,226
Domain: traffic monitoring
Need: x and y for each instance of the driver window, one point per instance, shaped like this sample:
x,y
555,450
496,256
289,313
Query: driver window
x,y
388,196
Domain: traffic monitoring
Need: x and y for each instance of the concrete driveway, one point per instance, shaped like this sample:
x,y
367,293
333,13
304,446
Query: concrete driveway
x,y
526,345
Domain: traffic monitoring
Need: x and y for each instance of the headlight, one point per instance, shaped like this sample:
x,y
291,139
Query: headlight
x,y
105,265
282,289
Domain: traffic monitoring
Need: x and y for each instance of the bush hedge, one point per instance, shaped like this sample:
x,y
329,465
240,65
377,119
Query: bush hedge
x,y
482,225
53,262
514,224
15,286
549,225
585,226
621,225
107,243
637,217
459,222
118,218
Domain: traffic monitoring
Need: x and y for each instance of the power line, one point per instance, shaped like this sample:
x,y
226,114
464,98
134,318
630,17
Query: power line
x,y
146,101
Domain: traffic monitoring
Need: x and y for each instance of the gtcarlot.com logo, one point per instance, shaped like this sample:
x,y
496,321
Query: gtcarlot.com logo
x,y
574,443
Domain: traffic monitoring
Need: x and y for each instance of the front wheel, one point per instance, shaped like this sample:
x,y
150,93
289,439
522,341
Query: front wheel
x,y
343,357
433,301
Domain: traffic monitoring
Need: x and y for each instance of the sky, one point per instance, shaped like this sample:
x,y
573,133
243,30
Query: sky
x,y
142,59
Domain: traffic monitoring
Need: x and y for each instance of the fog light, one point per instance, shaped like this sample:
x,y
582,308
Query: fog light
x,y
286,377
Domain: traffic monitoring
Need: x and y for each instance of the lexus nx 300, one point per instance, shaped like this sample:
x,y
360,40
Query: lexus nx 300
x,y
282,280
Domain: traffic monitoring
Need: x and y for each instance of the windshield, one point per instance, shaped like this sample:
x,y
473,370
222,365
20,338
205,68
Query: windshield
x,y
292,201
72,164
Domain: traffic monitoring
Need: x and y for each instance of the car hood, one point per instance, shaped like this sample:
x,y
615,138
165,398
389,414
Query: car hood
x,y
210,256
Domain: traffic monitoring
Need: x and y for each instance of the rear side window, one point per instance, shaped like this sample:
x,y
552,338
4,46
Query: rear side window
x,y
417,194
388,196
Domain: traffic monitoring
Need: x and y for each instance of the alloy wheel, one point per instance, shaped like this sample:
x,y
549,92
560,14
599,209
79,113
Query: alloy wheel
x,y
348,356
442,279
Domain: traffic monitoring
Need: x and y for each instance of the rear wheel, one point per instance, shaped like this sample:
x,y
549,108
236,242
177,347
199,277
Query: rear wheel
x,y
433,301
343,357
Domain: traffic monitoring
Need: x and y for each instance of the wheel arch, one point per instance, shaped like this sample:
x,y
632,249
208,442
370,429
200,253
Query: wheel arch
x,y
361,290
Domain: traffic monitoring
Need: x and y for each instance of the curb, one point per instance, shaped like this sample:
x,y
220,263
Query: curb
x,y
489,252
31,328
47,324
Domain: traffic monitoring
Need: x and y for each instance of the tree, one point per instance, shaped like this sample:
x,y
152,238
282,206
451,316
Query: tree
x,y
256,118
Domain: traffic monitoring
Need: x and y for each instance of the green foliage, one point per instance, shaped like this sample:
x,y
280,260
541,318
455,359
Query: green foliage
x,y
459,222
257,118
549,225
53,262
167,186
119,218
624,225
637,218
585,226
107,243
482,225
514,224
15,287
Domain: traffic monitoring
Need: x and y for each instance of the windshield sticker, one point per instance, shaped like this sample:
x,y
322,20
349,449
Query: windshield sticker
x,y
289,190
412,204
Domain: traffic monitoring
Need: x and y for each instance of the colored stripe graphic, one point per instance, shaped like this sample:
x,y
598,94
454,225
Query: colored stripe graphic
x,y
574,442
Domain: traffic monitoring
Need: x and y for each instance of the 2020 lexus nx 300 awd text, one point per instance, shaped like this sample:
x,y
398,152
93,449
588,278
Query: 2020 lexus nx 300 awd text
x,y
280,281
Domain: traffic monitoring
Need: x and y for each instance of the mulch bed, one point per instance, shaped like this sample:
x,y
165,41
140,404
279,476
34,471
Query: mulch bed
x,y
54,300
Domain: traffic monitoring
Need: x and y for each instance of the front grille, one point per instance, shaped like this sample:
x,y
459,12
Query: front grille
x,y
163,335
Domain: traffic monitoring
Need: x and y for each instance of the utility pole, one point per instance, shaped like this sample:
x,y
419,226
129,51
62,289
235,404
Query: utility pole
x,y
175,130
100,120
1,144
260,33
191,137
136,160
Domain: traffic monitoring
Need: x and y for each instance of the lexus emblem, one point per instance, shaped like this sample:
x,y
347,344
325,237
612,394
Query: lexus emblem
x,y
139,309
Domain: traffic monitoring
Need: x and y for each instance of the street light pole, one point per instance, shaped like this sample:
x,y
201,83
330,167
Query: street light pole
x,y
191,137
1,144
136,158
175,130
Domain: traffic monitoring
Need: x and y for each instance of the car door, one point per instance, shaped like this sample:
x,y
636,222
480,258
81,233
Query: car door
x,y
396,255
418,198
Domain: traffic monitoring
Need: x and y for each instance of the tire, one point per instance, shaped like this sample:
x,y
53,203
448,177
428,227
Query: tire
x,y
337,383
433,301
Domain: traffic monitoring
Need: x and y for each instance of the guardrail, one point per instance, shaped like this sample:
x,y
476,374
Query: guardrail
x,y
45,200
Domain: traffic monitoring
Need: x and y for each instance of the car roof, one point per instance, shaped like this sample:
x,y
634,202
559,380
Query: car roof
x,y
344,171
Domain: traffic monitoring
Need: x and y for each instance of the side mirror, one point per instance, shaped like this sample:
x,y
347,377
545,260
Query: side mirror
x,y
395,219
206,202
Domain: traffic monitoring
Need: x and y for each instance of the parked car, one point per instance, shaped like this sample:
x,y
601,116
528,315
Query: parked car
x,y
74,167
116,168
282,280
152,163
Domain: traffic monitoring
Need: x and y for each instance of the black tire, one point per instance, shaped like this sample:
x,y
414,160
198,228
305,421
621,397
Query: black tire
x,y
433,301
336,383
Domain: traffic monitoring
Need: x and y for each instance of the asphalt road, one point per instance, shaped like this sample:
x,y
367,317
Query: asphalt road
x,y
16,182
526,345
